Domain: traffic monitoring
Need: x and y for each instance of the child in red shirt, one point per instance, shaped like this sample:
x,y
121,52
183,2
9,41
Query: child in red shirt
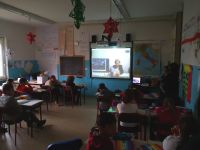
x,y
100,136
167,116
24,87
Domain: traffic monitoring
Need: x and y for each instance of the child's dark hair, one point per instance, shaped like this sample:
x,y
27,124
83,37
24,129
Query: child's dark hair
x,y
130,94
102,86
10,80
105,119
7,87
22,80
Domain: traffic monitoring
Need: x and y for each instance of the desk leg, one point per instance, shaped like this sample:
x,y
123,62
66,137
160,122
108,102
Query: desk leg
x,y
40,113
31,124
84,95
45,98
80,96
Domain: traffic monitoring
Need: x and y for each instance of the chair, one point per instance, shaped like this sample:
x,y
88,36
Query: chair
x,y
12,122
129,123
74,144
68,95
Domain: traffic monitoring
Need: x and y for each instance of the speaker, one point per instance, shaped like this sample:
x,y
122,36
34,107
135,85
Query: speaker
x,y
128,37
94,38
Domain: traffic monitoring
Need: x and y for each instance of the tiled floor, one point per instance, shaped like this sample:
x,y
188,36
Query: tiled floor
x,y
63,123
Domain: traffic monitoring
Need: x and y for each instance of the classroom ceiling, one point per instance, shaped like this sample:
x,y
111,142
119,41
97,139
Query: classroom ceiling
x,y
57,11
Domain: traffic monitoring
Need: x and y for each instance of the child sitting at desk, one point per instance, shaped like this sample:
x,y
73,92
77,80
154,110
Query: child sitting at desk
x,y
182,135
100,137
105,97
55,87
128,104
76,92
167,116
24,87
13,111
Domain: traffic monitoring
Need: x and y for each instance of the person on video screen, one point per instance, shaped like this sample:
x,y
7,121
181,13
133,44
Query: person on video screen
x,y
117,69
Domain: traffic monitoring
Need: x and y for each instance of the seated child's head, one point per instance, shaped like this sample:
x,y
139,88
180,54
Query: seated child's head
x,y
106,123
53,78
130,95
8,89
22,81
102,86
70,78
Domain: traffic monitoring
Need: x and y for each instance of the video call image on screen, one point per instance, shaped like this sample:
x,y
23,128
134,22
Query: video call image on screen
x,y
110,62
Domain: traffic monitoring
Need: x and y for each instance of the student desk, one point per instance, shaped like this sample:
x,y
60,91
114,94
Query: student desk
x,y
31,105
41,93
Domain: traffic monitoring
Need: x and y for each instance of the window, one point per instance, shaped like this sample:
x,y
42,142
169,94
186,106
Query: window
x,y
3,64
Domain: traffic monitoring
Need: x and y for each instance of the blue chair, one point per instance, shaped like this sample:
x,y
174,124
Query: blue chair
x,y
74,144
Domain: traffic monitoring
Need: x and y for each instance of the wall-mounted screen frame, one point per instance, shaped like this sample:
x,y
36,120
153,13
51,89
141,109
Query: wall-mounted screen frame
x,y
111,62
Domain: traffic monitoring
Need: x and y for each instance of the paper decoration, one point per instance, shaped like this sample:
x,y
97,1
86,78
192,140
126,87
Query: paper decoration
x,y
187,81
78,12
110,27
30,37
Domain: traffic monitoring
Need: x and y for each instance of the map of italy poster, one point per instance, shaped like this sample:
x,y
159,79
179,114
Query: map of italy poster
x,y
146,59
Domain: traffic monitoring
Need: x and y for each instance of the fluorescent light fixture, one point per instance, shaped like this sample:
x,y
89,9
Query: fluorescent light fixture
x,y
25,13
121,7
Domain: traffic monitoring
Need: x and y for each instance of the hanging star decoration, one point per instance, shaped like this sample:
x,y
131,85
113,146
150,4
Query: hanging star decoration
x,y
77,13
110,27
30,37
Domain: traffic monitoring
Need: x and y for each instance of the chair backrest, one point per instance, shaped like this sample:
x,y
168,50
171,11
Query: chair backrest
x,y
129,122
74,144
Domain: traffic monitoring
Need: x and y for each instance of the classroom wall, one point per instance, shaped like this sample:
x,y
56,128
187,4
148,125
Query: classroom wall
x,y
190,28
15,34
22,57
147,31
154,31
47,52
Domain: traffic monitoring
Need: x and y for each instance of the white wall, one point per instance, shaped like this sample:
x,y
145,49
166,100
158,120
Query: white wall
x,y
16,40
190,53
155,31
47,52
191,8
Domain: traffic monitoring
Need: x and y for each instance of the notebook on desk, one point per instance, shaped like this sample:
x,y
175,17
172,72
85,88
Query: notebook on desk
x,y
22,101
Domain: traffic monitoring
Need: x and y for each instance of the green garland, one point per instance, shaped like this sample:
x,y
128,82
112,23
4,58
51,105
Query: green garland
x,y
78,12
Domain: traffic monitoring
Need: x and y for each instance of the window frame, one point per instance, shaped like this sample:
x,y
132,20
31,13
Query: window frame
x,y
4,58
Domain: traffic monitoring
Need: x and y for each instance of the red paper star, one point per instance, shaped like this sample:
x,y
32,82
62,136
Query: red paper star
x,y
30,37
110,27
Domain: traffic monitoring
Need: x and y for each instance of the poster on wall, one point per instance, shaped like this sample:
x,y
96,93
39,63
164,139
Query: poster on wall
x,y
187,81
146,59
190,50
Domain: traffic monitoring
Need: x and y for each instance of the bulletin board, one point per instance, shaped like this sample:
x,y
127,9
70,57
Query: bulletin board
x,y
72,65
